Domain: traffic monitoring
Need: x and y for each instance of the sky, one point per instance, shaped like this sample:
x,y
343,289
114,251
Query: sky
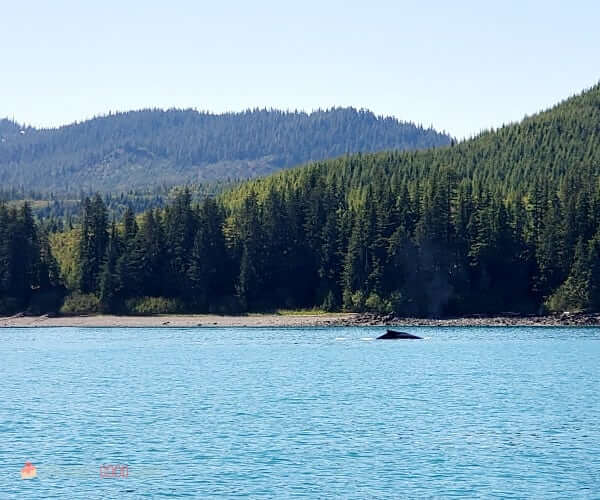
x,y
459,66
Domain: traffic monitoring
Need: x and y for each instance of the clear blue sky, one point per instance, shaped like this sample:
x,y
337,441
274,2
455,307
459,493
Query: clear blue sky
x,y
457,65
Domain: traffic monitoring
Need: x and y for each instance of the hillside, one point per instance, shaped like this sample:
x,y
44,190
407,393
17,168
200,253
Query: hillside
x,y
543,149
144,149
506,222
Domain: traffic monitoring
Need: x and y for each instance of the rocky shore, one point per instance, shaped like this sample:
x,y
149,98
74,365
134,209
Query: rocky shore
x,y
508,319
296,320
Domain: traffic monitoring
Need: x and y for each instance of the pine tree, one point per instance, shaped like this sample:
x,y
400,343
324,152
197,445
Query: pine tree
x,y
93,243
179,230
551,260
249,283
110,285
208,259
355,270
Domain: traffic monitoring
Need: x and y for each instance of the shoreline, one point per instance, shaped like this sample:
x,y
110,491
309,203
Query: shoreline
x,y
292,320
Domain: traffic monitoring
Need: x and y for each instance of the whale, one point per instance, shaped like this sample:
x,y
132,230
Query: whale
x,y
395,335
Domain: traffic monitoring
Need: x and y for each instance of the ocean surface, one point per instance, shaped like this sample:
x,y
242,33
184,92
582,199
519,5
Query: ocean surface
x,y
300,412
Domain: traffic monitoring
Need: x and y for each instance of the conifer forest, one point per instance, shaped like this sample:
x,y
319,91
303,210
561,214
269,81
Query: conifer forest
x,y
508,221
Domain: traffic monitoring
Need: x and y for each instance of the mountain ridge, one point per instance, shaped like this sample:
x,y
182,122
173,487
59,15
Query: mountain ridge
x,y
138,149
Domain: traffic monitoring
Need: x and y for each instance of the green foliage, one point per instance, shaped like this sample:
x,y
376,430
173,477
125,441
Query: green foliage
x,y
580,290
80,303
571,296
153,305
355,302
374,303
313,311
64,247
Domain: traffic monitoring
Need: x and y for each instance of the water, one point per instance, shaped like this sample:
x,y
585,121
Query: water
x,y
317,412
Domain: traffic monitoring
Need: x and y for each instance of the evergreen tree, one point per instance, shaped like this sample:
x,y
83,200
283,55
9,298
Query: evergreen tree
x,y
249,283
93,243
207,271
110,285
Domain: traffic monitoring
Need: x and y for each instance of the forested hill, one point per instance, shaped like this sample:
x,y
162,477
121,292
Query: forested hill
x,y
142,149
506,222
541,150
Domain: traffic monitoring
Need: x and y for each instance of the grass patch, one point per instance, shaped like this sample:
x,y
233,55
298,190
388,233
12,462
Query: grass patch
x,y
80,303
147,306
315,311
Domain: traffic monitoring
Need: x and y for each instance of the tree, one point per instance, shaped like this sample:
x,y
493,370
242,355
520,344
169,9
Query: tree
x,y
93,243
249,283
207,271
110,282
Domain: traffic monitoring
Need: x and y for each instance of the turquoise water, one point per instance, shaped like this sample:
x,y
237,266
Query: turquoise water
x,y
317,412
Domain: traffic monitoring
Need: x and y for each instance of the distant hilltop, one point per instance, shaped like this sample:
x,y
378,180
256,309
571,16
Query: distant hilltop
x,y
147,148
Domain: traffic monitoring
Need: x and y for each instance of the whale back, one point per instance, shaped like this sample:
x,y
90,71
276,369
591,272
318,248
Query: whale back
x,y
396,335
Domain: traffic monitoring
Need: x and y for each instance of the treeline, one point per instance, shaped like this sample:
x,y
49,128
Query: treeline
x,y
61,211
143,149
442,247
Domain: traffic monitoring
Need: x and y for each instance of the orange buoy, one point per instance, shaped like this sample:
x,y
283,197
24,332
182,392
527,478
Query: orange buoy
x,y
29,471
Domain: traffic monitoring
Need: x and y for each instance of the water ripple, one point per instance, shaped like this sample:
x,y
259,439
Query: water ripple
x,y
320,412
